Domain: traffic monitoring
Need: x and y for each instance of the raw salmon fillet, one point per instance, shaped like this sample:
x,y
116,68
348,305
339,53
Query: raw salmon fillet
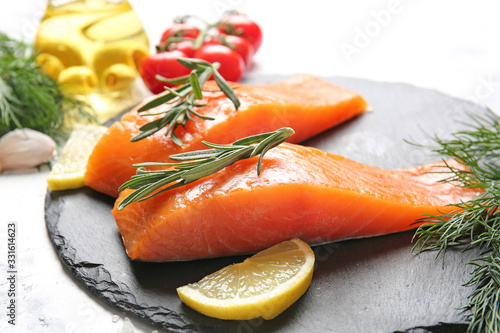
x,y
307,104
301,192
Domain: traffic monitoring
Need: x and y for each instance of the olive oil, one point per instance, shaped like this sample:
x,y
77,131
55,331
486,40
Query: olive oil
x,y
94,48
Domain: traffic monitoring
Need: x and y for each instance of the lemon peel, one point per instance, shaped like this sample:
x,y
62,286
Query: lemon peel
x,y
69,169
263,285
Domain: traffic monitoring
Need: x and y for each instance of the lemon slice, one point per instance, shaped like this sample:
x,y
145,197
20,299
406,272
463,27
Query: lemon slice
x,y
69,169
264,285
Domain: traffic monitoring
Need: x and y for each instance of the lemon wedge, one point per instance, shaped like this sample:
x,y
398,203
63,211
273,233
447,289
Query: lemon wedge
x,y
69,169
263,285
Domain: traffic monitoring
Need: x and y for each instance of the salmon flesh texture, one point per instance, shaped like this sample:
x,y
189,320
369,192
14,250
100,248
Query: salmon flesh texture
x,y
306,103
301,192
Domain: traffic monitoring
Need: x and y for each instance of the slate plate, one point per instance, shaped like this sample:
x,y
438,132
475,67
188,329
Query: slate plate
x,y
368,285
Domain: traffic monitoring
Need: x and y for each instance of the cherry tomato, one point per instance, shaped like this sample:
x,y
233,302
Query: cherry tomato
x,y
240,45
241,26
164,64
186,47
231,63
180,30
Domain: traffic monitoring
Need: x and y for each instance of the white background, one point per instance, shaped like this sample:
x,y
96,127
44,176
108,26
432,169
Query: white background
x,y
451,46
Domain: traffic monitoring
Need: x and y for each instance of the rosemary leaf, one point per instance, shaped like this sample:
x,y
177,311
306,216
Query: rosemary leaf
x,y
193,79
175,81
193,63
211,167
193,111
205,75
251,139
226,89
218,146
264,143
163,99
175,138
195,155
179,94
150,128
165,164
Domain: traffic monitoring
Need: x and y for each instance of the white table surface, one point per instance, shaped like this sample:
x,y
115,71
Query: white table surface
x,y
451,46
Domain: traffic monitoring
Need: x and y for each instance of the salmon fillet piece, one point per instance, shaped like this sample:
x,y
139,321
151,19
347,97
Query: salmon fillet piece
x,y
301,192
306,103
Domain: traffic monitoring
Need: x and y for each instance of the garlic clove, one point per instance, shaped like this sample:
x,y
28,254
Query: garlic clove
x,y
25,148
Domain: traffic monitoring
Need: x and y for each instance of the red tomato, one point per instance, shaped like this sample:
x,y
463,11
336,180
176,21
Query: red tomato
x,y
164,64
242,26
231,63
186,47
180,30
240,45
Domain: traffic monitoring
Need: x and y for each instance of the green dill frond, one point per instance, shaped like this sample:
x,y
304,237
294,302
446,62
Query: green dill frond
x,y
484,301
29,97
475,223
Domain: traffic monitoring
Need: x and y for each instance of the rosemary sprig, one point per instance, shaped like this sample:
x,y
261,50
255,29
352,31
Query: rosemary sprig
x,y
183,99
476,222
198,164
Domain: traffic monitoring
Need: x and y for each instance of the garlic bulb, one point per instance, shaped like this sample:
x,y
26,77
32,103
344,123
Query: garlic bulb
x,y
25,148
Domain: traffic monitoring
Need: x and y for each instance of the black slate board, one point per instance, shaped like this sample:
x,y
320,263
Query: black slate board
x,y
366,285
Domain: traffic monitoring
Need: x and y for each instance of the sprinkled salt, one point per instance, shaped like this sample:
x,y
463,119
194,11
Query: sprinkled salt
x,y
127,327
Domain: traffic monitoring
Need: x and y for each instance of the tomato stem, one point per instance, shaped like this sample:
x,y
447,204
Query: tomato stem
x,y
201,37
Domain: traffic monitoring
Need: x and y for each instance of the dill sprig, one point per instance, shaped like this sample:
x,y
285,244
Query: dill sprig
x,y
183,99
195,165
29,97
475,223
484,301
